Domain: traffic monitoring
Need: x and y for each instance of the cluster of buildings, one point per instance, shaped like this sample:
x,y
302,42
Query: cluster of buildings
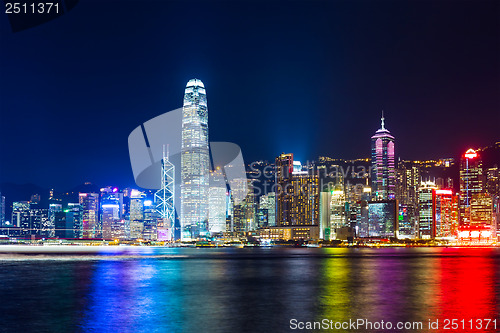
x,y
367,200
386,199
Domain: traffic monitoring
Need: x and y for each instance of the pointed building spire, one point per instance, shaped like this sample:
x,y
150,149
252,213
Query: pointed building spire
x,y
383,128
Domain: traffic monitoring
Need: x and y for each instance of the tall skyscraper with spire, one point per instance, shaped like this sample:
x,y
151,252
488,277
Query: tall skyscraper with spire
x,y
195,161
383,167
165,198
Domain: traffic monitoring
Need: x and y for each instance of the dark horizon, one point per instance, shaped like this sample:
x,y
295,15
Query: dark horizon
x,y
306,78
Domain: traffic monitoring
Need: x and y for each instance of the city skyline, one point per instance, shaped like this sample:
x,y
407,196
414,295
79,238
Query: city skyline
x,y
260,166
311,86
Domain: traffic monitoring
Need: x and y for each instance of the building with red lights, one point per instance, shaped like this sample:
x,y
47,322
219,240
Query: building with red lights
x,y
477,234
445,213
471,182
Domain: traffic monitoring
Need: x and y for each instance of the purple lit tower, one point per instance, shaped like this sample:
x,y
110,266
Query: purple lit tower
x,y
383,168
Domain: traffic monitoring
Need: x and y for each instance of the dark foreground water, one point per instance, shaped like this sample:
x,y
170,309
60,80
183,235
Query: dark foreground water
x,y
251,290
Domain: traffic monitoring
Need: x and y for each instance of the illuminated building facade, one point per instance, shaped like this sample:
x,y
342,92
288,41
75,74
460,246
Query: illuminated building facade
x,y
445,213
21,216
267,202
2,210
165,199
73,220
195,161
112,220
383,167
243,213
476,235
325,214
481,209
297,199
90,214
110,217
471,182
338,217
136,215
493,181
150,221
217,202
362,226
408,181
284,193
407,220
426,228
38,219
60,226
289,233
383,218
305,199
53,209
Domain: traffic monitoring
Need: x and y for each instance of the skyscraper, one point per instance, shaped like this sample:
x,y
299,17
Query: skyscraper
x,y
426,227
297,198
471,182
111,219
90,214
217,202
284,195
383,168
136,214
445,212
165,198
53,209
195,161
2,210
21,216
73,220
268,202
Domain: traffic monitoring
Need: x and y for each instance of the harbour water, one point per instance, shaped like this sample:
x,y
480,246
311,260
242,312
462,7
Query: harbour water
x,y
250,289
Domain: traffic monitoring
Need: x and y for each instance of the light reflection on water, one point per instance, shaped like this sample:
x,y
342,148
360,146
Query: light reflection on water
x,y
246,290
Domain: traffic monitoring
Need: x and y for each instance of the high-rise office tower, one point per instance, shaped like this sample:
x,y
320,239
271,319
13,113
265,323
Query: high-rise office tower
x,y
2,210
21,216
408,181
297,198
337,209
90,214
195,161
471,182
445,213
325,214
245,211
73,217
112,222
481,209
53,209
268,202
165,199
38,220
284,195
230,212
150,221
383,218
493,181
426,228
408,176
136,214
217,202
383,167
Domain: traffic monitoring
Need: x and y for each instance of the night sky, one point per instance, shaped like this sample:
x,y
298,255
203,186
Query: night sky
x,y
304,77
